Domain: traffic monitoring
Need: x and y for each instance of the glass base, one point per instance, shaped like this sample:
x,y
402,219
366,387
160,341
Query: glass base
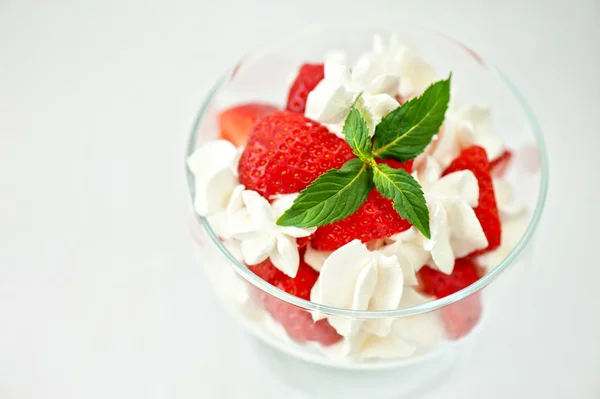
x,y
407,379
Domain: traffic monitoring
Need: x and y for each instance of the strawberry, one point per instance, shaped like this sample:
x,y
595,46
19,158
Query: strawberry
x,y
286,152
235,123
302,241
499,165
297,322
474,158
376,218
439,285
308,77
460,317
407,166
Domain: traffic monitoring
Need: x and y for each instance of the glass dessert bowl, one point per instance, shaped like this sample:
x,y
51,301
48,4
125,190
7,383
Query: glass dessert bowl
x,y
372,298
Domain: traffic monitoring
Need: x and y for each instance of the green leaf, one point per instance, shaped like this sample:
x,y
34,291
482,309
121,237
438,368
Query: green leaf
x,y
359,104
356,132
406,131
405,191
333,196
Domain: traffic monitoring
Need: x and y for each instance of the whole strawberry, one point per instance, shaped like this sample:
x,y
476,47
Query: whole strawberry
x,y
286,152
298,323
475,159
308,77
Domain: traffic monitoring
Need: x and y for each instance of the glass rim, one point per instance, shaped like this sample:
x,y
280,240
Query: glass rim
x,y
436,304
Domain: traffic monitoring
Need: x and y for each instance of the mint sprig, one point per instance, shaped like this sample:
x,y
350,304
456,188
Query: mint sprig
x,y
357,135
333,196
401,135
406,131
409,201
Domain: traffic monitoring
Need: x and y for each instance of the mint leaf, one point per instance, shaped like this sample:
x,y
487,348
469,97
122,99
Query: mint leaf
x,y
356,132
406,131
405,191
333,196
359,104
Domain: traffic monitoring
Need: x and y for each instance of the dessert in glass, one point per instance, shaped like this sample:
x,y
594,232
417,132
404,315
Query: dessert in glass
x,y
354,191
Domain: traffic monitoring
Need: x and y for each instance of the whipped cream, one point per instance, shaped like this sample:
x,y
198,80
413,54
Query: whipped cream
x,y
364,346
353,277
406,335
254,225
407,246
423,330
455,229
243,219
379,76
415,74
463,127
214,166
224,219
315,258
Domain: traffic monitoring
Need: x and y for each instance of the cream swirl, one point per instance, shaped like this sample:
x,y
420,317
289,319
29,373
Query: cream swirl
x,y
380,76
465,126
353,277
455,229
214,166
254,225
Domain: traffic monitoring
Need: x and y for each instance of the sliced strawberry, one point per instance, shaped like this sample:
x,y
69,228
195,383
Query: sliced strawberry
x,y
499,165
286,152
236,123
439,285
308,77
297,322
460,317
375,219
475,159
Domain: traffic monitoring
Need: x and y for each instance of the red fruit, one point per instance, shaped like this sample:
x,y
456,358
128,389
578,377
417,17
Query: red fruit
x,y
297,322
302,241
460,317
286,152
439,285
475,159
308,77
235,123
407,166
376,218
499,165
268,272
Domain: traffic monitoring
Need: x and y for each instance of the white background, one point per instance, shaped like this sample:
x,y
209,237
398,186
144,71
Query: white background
x,y
99,294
